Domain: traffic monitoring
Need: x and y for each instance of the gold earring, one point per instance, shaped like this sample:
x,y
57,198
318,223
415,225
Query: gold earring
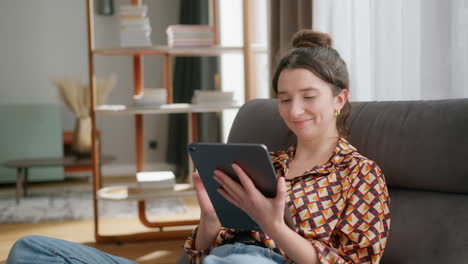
x,y
337,112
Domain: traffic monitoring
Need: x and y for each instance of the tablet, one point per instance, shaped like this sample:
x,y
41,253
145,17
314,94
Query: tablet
x,y
254,159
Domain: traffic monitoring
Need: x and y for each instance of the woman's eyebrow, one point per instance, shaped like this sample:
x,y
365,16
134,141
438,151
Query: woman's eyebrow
x,y
301,90
308,89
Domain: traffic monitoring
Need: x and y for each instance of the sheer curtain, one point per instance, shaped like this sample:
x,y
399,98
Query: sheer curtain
x,y
399,49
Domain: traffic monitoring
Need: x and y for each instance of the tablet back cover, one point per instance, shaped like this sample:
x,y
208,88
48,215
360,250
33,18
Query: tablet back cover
x,y
253,158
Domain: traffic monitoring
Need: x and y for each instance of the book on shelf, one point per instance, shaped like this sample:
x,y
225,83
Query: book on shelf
x,y
201,97
151,97
135,22
190,35
135,27
132,10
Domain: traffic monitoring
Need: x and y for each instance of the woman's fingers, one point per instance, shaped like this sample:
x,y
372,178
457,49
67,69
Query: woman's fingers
x,y
197,183
244,178
228,197
228,184
202,196
267,212
281,188
245,190
280,198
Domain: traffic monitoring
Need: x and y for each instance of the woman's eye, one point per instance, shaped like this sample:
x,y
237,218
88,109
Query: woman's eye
x,y
285,100
309,97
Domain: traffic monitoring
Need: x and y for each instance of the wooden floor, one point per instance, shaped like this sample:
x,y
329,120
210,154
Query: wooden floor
x,y
82,232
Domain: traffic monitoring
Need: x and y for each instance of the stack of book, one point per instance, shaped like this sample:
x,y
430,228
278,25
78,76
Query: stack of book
x,y
135,28
213,98
190,35
151,97
153,181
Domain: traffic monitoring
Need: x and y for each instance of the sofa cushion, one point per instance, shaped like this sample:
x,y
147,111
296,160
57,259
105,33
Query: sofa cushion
x,y
418,144
427,227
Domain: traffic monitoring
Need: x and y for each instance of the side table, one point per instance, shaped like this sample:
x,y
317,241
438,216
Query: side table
x,y
22,166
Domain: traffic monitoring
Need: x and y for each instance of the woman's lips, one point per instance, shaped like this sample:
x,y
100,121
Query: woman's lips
x,y
300,122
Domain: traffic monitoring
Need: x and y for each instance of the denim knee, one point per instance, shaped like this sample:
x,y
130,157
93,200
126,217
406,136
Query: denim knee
x,y
47,250
22,247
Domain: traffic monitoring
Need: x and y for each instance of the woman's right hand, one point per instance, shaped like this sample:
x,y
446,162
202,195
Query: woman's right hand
x,y
207,210
209,222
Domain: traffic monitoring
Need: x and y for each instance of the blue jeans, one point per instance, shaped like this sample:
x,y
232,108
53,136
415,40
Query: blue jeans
x,y
37,249
241,253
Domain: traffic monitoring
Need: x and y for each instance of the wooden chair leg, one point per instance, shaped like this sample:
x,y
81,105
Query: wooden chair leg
x,y
25,182
19,183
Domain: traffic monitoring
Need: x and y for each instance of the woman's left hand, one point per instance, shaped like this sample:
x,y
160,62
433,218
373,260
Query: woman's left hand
x,y
268,213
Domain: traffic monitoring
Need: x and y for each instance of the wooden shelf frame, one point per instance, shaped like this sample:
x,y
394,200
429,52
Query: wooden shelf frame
x,y
167,53
173,51
164,109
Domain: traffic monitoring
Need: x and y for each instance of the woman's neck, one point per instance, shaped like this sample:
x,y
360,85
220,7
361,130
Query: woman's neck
x,y
318,150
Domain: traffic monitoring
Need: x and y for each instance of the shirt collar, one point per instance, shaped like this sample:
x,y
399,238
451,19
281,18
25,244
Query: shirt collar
x,y
340,157
342,151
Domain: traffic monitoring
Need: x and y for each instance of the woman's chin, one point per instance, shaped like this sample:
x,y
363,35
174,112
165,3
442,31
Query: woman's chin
x,y
305,134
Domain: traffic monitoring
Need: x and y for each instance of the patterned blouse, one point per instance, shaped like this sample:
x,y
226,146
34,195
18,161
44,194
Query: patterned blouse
x,y
341,207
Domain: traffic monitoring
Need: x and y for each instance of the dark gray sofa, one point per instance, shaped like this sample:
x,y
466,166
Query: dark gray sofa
x,y
422,148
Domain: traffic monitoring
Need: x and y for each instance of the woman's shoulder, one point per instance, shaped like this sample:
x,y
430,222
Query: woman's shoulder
x,y
353,157
361,159
366,165
364,171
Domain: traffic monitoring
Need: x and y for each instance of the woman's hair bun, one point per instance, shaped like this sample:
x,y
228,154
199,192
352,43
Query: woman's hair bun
x,y
310,39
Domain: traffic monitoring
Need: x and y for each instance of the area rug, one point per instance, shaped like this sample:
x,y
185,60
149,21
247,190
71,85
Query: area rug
x,y
73,203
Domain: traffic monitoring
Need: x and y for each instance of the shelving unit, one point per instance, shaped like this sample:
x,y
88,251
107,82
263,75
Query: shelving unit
x,y
138,111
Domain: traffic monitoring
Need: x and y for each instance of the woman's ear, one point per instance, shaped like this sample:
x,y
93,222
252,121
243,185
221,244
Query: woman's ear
x,y
341,99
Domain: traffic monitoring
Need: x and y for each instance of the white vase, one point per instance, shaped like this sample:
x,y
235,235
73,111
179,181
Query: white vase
x,y
82,145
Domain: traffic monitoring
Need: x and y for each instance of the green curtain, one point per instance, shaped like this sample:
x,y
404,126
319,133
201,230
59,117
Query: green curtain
x,y
190,74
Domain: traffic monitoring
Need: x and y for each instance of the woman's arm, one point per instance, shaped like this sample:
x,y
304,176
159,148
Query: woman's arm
x,y
295,246
207,232
267,212
209,226
353,242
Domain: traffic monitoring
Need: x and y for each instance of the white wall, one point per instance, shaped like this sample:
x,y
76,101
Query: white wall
x,y
40,39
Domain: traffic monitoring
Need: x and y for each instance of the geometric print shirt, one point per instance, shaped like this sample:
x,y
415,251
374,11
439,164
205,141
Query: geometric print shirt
x,y
341,207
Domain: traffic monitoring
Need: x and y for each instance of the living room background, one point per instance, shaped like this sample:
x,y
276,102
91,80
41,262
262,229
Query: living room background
x,y
47,38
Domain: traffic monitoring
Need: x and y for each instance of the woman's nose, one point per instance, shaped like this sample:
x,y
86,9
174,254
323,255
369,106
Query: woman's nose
x,y
297,108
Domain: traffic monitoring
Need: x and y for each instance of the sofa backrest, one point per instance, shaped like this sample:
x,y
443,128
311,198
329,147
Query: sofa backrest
x,y
421,146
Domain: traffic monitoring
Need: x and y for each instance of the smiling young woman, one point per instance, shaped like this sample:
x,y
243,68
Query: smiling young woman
x,y
337,197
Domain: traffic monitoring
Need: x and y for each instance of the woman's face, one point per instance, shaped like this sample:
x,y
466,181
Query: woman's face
x,y
307,105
